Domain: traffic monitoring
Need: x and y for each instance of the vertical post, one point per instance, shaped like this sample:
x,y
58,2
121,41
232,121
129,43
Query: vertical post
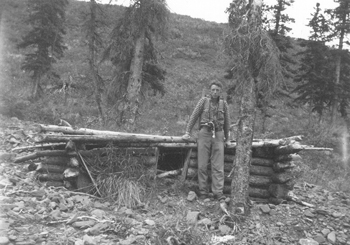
x,y
186,163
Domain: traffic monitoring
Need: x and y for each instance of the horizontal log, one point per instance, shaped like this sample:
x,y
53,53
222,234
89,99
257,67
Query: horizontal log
x,y
282,166
111,138
48,168
288,157
57,160
230,158
288,149
262,162
87,131
278,191
254,169
52,146
50,177
260,181
253,192
254,180
40,154
71,173
287,175
93,132
134,151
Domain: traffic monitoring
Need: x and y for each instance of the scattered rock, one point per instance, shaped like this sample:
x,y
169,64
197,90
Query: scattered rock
x,y
4,240
4,182
337,214
309,214
205,221
125,210
320,239
98,213
191,196
162,199
88,240
325,232
83,224
97,228
308,241
150,222
331,237
265,208
192,217
224,229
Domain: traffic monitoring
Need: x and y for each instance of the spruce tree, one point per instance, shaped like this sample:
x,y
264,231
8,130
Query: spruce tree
x,y
133,53
45,40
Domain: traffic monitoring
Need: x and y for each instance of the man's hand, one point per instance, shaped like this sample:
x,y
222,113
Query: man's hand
x,y
227,143
186,136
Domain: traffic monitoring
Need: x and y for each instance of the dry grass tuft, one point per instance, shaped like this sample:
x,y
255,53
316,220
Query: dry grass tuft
x,y
122,191
121,177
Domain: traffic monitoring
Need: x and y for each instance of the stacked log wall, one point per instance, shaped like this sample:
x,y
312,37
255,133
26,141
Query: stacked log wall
x,y
273,172
65,168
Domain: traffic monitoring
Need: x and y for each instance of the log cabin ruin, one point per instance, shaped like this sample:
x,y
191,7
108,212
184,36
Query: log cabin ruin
x,y
73,158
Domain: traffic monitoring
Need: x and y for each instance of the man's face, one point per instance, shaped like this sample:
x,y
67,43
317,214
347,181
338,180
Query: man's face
x,y
215,91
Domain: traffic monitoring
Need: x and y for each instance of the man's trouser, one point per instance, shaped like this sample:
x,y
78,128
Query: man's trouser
x,y
210,150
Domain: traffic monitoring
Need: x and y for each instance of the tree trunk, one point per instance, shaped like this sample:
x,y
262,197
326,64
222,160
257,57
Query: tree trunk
x,y
93,69
135,82
36,86
338,64
240,180
278,17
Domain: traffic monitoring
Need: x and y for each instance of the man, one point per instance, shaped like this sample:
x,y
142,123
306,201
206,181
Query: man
x,y
213,116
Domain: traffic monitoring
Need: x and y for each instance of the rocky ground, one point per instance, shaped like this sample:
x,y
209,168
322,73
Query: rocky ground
x,y
32,213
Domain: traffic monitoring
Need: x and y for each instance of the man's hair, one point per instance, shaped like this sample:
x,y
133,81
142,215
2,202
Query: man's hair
x,y
215,82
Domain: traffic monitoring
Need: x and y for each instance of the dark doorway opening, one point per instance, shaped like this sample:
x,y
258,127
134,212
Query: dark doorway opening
x,y
171,158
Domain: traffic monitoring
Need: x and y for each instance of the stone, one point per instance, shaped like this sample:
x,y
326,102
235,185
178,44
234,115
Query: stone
x,y
5,182
98,213
320,239
5,156
308,241
325,232
88,240
224,229
4,240
150,222
164,199
97,228
192,217
205,221
309,214
273,212
191,196
83,224
337,214
265,208
331,237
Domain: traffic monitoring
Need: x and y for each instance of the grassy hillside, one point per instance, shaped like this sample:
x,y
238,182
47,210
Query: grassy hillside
x,y
191,55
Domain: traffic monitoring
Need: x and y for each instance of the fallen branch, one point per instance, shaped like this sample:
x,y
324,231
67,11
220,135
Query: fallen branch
x,y
33,147
92,179
170,173
292,197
